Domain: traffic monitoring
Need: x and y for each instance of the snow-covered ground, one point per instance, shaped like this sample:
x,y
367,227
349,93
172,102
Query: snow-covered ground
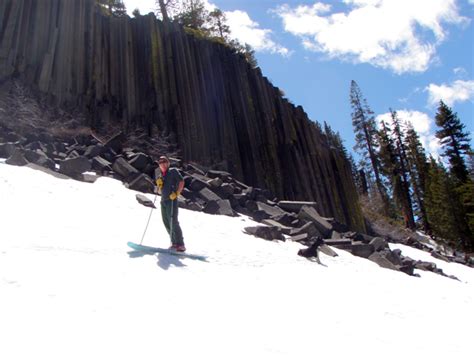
x,y
68,285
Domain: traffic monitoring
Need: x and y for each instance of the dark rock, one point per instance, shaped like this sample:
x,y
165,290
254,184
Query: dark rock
x,y
7,149
116,142
222,175
198,183
219,207
340,243
75,166
378,243
140,161
437,255
425,265
312,250
295,206
310,213
407,269
145,201
225,190
271,222
299,237
215,183
382,261
284,218
267,233
123,168
101,165
17,158
142,183
40,158
362,250
308,228
326,249
365,238
93,151
207,195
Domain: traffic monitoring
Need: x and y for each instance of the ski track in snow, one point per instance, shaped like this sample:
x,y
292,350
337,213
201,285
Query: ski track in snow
x,y
70,285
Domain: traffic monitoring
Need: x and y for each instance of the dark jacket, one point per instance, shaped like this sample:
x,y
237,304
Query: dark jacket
x,y
171,180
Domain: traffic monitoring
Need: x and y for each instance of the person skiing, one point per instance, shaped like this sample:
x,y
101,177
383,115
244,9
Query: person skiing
x,y
170,183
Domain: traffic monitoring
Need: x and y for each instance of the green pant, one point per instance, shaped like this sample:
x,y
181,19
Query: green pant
x,y
169,213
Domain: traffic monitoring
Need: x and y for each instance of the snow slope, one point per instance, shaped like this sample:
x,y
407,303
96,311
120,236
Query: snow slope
x,y
68,285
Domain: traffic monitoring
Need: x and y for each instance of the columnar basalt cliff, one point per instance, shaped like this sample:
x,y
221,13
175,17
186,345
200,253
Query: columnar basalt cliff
x,y
140,72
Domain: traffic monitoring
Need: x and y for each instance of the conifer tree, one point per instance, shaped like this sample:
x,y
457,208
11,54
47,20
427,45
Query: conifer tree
x,y
365,130
193,15
445,212
404,194
454,140
389,167
114,8
218,25
164,7
418,169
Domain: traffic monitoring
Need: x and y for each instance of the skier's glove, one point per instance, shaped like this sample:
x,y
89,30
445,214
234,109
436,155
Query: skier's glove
x,y
159,183
174,196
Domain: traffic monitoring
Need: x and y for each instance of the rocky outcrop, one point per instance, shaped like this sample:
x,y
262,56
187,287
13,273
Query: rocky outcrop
x,y
128,73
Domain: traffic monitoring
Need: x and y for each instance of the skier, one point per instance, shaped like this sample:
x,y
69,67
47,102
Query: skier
x,y
170,183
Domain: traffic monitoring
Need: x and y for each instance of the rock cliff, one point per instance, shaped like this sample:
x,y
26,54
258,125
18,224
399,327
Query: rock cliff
x,y
140,72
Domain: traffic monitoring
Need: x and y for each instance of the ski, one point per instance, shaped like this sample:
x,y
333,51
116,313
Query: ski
x,y
149,249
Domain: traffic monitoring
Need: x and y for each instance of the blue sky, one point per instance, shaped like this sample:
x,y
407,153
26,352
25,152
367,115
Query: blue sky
x,y
404,54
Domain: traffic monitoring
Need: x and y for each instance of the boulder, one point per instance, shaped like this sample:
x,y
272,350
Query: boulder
x,y
142,183
379,243
270,222
198,182
264,232
308,228
101,165
382,261
123,168
7,149
207,195
310,214
362,250
312,250
140,161
219,207
93,151
75,166
145,201
222,175
215,183
40,158
295,206
17,158
326,249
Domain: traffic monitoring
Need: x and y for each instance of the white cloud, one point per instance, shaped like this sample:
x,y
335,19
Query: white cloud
x,y
459,90
400,35
247,31
422,124
145,6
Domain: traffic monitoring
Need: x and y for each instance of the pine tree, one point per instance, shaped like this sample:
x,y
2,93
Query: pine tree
x,y
454,140
446,215
389,167
114,8
164,7
218,26
418,170
193,15
365,131
402,168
